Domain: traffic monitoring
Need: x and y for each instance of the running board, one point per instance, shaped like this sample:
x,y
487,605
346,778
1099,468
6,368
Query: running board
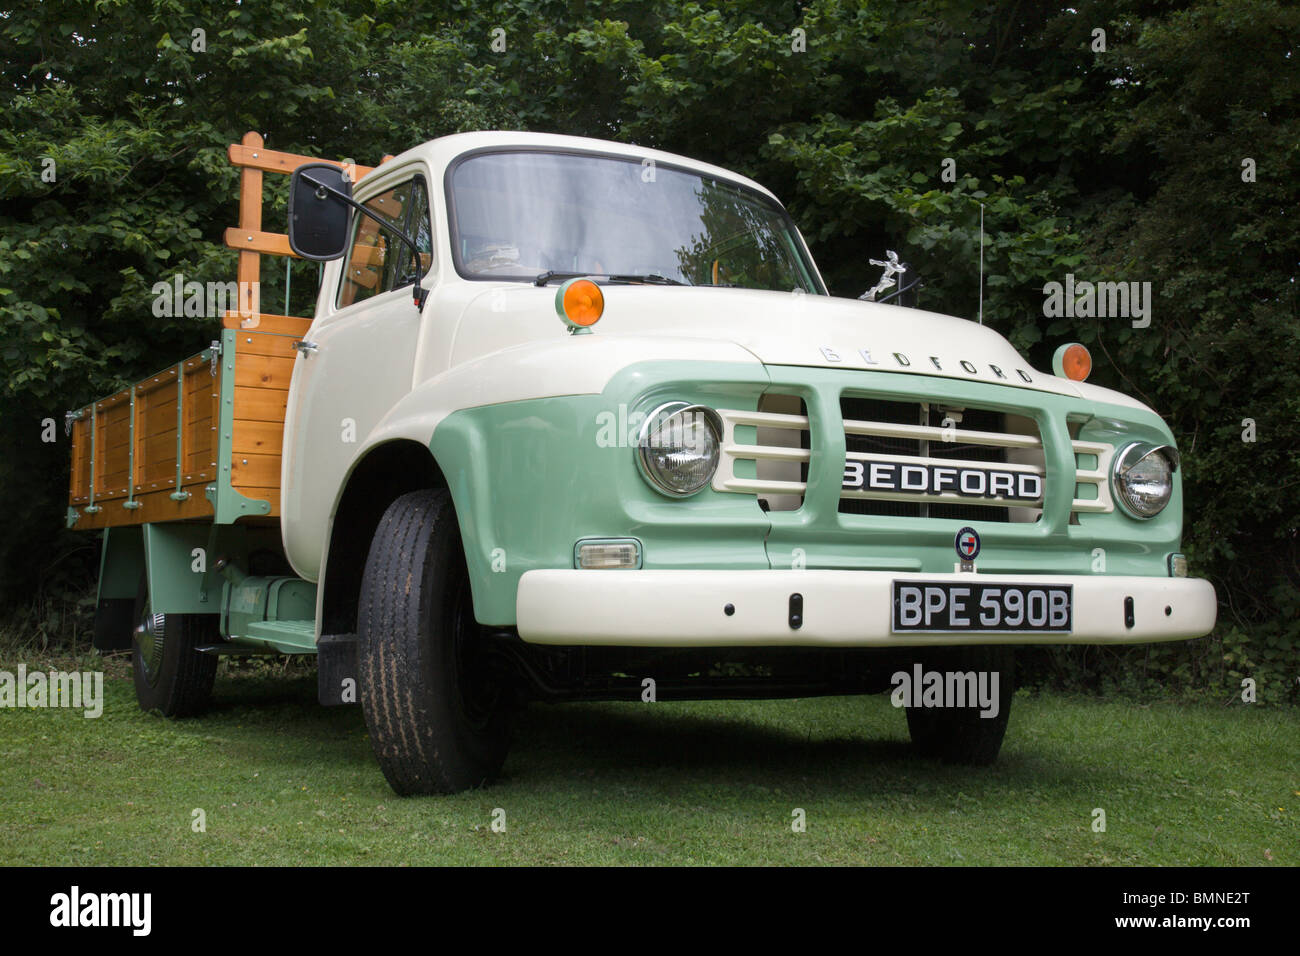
x,y
279,637
229,650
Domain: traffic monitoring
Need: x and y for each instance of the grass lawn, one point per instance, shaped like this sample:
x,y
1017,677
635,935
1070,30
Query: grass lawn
x,y
284,781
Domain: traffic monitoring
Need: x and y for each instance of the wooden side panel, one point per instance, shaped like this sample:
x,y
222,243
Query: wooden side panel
x,y
155,432
113,447
264,363
202,394
154,506
153,440
79,492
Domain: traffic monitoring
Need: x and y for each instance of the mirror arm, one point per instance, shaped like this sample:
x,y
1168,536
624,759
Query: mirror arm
x,y
419,294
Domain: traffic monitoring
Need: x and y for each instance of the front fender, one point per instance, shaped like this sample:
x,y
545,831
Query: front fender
x,y
529,478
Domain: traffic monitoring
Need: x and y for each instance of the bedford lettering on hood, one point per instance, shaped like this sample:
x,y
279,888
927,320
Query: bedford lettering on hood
x,y
778,328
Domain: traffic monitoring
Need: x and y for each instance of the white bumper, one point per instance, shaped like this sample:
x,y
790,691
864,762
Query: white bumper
x,y
653,608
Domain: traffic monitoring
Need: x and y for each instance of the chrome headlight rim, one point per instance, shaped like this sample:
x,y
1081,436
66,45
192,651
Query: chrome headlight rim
x,y
661,415
1125,460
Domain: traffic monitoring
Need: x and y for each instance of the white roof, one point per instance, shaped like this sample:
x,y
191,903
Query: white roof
x,y
439,152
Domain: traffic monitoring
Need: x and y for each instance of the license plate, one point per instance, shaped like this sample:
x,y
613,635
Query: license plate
x,y
975,607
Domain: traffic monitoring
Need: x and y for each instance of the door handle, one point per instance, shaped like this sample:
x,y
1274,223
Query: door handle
x,y
305,347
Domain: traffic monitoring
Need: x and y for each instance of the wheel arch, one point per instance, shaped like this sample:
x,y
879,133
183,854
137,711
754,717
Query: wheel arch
x,y
384,473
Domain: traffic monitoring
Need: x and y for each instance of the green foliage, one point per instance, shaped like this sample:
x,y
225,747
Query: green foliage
x,y
1121,164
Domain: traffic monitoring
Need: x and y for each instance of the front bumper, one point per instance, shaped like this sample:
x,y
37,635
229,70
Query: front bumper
x,y
682,608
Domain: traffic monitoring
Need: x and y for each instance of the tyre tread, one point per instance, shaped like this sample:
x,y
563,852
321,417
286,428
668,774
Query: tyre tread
x,y
401,685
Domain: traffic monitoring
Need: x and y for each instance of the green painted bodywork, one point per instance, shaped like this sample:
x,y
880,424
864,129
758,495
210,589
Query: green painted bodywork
x,y
180,494
131,504
531,478
1049,546
121,562
277,614
282,637
175,586
181,584
227,503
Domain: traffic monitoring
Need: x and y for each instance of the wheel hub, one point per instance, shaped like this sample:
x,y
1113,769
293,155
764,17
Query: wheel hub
x,y
149,639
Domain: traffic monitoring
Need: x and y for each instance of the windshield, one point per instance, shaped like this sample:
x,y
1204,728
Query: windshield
x,y
516,215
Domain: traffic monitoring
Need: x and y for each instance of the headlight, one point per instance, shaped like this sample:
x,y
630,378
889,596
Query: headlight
x,y
678,448
1143,478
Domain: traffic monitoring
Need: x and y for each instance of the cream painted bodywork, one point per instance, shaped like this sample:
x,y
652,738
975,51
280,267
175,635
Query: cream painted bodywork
x,y
394,374
661,608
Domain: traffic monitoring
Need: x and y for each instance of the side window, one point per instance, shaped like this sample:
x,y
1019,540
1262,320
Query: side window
x,y
379,261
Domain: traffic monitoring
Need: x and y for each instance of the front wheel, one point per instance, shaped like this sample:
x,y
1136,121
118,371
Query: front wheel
x,y
438,720
965,721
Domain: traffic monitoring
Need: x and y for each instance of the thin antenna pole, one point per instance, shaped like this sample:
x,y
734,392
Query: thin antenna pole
x,y
981,313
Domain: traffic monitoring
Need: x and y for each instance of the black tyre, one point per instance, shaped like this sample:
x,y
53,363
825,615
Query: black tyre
x,y
171,677
438,722
962,735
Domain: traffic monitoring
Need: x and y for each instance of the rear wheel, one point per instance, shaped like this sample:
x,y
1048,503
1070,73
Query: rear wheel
x,y
172,677
963,735
438,721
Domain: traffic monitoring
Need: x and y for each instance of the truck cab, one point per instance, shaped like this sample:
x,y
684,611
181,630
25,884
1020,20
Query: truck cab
x,y
575,419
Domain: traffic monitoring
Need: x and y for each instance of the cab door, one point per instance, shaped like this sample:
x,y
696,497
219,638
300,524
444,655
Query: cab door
x,y
356,360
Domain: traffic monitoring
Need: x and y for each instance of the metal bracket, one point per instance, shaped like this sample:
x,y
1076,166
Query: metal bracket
x,y
130,504
214,357
93,508
69,418
180,494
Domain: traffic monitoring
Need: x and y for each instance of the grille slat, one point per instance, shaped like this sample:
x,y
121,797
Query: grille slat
x,y
925,432
902,433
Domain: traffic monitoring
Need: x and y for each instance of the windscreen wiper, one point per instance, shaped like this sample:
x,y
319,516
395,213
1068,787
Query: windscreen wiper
x,y
650,278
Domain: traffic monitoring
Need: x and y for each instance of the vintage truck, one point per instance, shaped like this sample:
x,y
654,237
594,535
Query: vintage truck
x,y
576,420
